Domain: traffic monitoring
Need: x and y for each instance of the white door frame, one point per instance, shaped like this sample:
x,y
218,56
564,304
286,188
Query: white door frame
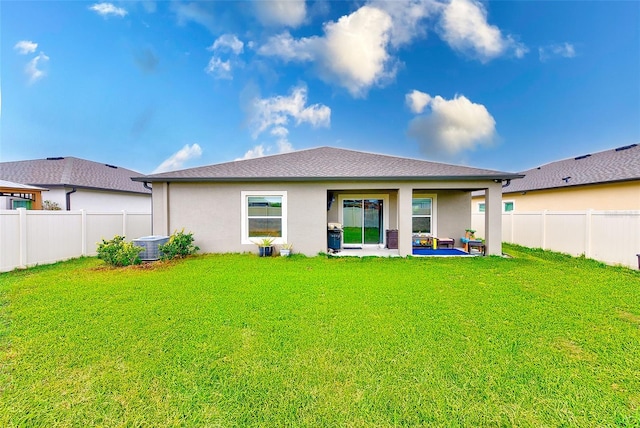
x,y
385,214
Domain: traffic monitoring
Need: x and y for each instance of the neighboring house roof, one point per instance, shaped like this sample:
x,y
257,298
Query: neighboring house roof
x,y
328,163
18,186
615,165
71,172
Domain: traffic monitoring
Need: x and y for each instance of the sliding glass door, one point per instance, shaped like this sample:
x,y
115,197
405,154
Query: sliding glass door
x,y
362,221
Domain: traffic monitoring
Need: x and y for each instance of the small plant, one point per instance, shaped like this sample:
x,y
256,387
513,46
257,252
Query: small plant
x,y
51,206
265,242
117,252
285,249
265,246
180,244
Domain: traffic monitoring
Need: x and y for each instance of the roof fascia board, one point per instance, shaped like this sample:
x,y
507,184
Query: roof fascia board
x,y
298,179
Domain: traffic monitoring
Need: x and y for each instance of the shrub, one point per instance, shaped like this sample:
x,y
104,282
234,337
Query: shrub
x,y
180,244
117,252
51,206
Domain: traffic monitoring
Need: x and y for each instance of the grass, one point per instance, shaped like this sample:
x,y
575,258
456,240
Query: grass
x,y
541,339
353,235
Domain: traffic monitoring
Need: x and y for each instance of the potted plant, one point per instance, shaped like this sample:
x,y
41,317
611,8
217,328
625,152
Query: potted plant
x,y
470,234
285,249
265,247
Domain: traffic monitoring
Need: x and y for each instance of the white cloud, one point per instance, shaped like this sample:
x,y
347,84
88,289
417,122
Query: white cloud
x,y
274,114
25,47
33,68
564,50
226,43
408,18
452,126
108,9
219,69
465,28
179,158
352,53
277,111
417,101
256,152
355,51
287,48
289,13
194,12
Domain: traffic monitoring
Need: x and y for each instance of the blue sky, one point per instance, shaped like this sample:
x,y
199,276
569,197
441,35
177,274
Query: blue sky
x,y
163,85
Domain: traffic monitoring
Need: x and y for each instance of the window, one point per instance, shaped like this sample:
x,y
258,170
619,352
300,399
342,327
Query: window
x,y
264,215
508,206
20,203
422,212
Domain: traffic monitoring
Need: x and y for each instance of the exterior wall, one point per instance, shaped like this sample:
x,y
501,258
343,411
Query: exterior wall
x,y
614,196
94,200
453,210
212,210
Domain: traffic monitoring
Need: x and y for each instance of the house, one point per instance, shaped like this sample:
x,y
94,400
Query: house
x,y
75,183
294,196
607,180
21,195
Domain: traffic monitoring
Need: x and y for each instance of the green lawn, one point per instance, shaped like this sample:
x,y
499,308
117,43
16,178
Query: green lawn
x,y
237,340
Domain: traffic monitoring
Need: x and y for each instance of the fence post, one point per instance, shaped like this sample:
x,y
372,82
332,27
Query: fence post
x,y
83,232
22,261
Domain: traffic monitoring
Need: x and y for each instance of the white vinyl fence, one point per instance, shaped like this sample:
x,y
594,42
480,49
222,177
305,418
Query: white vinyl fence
x,y
612,237
34,237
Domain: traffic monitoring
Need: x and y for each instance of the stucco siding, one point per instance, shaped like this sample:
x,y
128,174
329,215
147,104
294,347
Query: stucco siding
x,y
454,214
614,196
213,211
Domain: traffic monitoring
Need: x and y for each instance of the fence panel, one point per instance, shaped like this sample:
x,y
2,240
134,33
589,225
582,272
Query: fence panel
x,y
53,236
28,238
566,232
615,237
609,236
527,228
9,240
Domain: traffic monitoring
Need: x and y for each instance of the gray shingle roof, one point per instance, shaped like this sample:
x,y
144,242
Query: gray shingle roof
x,y
70,171
327,163
621,164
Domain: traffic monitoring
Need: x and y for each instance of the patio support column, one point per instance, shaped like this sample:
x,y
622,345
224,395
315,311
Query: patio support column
x,y
493,220
405,197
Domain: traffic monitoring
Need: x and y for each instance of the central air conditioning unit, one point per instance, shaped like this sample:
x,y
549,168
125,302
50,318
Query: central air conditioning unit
x,y
150,245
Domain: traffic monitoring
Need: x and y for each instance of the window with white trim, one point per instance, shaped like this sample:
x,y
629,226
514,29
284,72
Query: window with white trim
x,y
264,215
422,215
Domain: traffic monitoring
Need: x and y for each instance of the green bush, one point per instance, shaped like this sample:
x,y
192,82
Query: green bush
x,y
117,252
180,244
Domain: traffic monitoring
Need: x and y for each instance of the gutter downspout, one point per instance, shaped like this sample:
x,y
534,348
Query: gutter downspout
x,y
68,197
507,183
